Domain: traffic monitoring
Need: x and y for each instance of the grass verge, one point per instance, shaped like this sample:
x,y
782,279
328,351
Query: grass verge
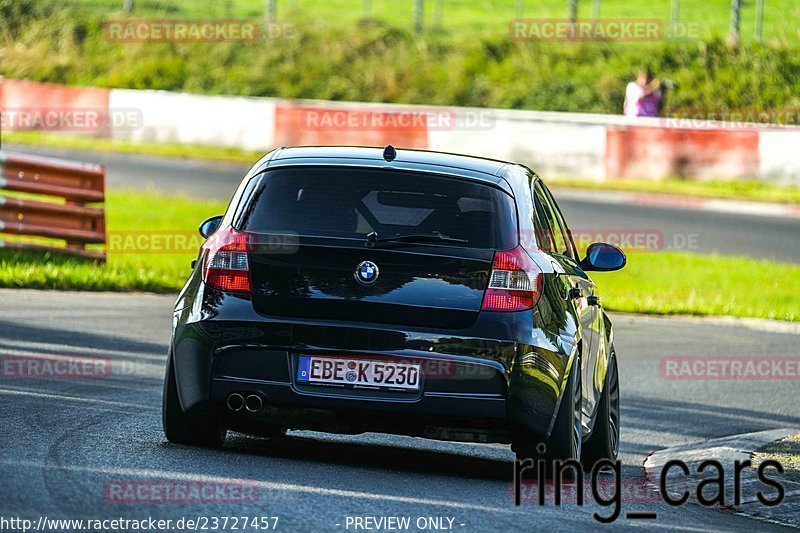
x,y
730,190
149,215
787,452
680,283
660,283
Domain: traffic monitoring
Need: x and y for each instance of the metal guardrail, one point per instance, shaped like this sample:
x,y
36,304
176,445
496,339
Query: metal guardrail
x,y
32,215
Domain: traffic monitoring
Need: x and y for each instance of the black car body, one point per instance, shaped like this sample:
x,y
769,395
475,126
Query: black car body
x,y
344,263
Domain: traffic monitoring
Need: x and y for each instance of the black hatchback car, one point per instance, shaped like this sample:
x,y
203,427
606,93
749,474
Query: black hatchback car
x,y
352,290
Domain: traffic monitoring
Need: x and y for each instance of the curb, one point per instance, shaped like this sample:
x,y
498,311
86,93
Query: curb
x,y
727,450
716,205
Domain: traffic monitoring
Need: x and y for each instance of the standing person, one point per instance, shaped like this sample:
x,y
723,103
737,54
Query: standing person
x,y
643,96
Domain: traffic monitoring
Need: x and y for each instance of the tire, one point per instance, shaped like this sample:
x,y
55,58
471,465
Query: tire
x,y
182,428
604,440
564,442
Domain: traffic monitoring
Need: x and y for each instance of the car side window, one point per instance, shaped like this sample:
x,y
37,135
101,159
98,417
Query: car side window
x,y
559,235
544,233
570,244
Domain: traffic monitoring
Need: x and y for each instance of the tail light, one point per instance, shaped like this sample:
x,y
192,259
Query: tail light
x,y
226,266
515,282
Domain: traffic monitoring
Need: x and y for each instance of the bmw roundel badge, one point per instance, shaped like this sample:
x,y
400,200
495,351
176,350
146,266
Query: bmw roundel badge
x,y
367,273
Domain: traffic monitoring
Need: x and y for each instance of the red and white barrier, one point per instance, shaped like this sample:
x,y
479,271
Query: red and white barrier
x,y
778,156
554,144
18,94
237,122
333,123
647,152
29,105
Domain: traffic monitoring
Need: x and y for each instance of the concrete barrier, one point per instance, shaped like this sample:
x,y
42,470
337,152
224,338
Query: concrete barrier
x,y
30,105
229,121
330,123
778,156
646,152
539,140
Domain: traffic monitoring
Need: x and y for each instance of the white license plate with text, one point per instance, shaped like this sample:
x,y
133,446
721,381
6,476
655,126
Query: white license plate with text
x,y
358,372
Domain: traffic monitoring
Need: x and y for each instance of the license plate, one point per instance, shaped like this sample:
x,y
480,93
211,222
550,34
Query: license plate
x,y
358,373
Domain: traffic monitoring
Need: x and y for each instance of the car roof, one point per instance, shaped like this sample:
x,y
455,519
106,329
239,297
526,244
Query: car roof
x,y
478,168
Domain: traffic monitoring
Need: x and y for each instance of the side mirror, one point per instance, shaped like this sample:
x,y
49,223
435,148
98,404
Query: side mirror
x,y
602,257
209,226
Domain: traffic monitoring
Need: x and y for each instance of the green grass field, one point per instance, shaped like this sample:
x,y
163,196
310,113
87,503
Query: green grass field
x,y
691,284
780,23
662,283
787,452
756,191
135,212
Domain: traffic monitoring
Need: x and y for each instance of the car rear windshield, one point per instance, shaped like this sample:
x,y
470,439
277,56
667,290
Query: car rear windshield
x,y
351,203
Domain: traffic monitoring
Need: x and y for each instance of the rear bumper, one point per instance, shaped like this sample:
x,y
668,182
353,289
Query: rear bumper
x,y
446,417
487,386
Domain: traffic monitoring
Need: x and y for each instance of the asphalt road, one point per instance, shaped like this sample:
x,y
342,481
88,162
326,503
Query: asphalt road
x,y
66,441
675,229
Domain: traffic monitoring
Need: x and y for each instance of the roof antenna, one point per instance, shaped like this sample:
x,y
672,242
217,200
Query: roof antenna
x,y
389,153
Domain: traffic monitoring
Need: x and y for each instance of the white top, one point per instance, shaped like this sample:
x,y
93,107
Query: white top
x,y
633,93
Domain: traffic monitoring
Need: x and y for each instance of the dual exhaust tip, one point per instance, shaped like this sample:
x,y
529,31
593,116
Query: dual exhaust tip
x,y
236,402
